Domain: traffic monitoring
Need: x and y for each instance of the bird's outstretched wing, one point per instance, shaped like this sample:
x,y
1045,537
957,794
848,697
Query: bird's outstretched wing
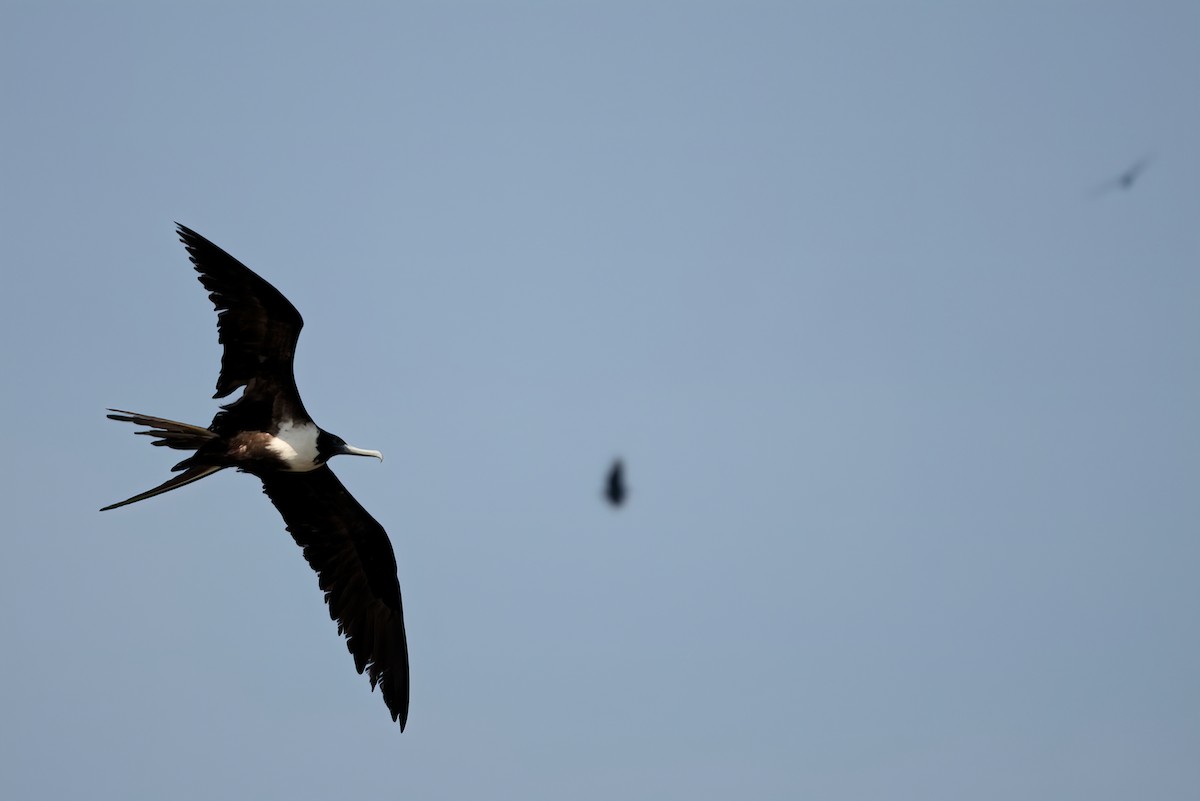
x,y
356,568
1125,180
258,328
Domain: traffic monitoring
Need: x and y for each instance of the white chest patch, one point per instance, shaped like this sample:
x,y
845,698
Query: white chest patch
x,y
296,445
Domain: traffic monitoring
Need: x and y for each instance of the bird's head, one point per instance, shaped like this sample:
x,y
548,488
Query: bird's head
x,y
331,445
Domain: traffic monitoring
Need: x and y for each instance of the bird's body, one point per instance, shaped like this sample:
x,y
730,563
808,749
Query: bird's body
x,y
614,484
1128,178
1125,181
267,433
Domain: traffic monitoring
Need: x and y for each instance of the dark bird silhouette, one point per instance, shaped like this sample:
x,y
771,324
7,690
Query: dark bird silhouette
x,y
1125,181
614,485
267,433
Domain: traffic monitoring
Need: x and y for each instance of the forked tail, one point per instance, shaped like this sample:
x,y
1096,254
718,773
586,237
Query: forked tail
x,y
172,434
180,436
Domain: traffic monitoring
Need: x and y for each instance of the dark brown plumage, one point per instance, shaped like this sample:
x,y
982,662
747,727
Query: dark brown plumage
x,y
614,485
258,329
267,433
1125,181
356,568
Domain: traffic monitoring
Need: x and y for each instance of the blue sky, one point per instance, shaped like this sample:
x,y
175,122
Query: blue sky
x,y
909,409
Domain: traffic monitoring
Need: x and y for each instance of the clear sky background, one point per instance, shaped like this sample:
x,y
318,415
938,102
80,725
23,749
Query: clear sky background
x,y
910,409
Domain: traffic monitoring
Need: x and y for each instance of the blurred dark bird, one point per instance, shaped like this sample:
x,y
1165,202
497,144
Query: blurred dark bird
x,y
1125,181
614,486
267,433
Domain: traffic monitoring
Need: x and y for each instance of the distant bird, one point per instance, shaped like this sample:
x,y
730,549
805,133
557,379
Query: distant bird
x,y
1125,180
267,433
614,486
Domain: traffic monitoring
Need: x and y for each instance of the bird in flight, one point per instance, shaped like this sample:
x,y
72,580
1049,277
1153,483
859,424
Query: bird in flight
x,y
614,485
267,433
1125,181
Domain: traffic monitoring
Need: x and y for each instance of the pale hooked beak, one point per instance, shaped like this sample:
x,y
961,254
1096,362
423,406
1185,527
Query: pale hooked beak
x,y
350,450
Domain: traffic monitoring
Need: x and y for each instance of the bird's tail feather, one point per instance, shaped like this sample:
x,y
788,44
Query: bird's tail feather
x,y
187,477
180,436
172,434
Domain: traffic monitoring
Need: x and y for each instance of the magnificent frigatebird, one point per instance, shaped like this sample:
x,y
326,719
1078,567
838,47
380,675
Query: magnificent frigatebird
x,y
614,485
267,433
1125,180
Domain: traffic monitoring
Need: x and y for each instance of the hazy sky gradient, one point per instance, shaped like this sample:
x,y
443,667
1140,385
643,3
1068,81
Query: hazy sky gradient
x,y
909,409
